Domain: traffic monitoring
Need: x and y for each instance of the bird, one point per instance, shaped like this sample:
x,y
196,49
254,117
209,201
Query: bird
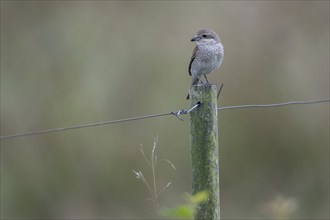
x,y
207,55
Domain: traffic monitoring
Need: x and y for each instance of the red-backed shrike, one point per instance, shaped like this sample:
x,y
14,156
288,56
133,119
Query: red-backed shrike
x,y
207,55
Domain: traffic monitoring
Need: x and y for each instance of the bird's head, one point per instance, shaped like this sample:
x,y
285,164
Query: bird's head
x,y
206,36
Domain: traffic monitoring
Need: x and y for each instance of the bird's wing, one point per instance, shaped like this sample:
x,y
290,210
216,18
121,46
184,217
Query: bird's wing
x,y
192,59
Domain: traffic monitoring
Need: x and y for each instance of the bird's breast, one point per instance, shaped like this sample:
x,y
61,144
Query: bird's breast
x,y
208,58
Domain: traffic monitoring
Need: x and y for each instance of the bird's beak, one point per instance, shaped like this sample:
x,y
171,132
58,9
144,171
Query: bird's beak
x,y
195,38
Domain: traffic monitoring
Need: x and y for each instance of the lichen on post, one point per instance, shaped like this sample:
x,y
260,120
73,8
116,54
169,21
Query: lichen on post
x,y
204,149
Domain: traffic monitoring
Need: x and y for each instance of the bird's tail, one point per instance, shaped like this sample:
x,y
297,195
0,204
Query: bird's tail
x,y
194,81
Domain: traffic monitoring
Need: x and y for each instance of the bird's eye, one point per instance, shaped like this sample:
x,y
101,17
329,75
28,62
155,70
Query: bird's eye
x,y
204,35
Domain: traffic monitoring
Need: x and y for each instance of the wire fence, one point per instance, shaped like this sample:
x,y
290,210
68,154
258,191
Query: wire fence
x,y
176,114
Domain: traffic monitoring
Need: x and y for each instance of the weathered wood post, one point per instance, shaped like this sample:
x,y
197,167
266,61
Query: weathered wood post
x,y
204,149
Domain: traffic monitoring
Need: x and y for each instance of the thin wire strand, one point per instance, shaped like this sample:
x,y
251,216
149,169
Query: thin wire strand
x,y
176,114
81,126
275,105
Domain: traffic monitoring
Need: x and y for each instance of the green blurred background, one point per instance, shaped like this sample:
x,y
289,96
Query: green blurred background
x,y
70,63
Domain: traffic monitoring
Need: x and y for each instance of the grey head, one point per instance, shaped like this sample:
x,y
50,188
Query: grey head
x,y
206,36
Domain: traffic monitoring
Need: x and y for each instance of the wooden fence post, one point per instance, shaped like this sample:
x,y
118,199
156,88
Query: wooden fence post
x,y
204,149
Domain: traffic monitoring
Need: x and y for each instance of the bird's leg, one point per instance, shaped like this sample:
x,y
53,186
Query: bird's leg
x,y
206,78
